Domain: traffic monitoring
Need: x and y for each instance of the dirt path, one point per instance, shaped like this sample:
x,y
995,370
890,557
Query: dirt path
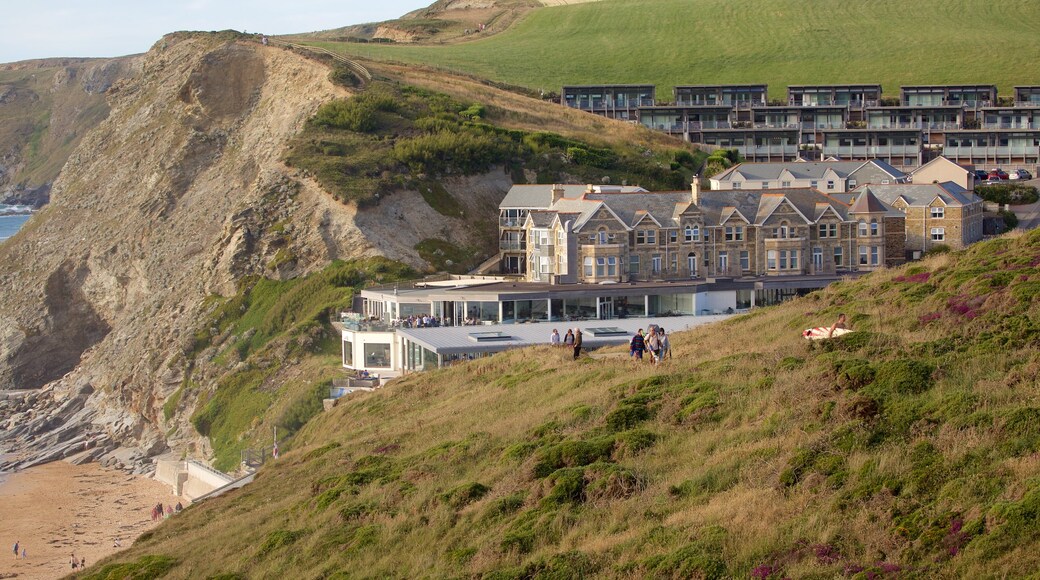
x,y
56,510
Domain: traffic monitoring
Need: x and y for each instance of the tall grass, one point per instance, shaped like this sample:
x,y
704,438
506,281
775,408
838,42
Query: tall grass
x,y
907,448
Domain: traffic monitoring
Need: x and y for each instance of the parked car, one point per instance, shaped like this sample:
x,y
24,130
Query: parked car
x,y
999,174
1020,174
993,179
981,175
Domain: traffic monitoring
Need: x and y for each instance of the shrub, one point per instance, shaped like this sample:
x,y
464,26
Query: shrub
x,y
465,494
627,415
504,506
448,151
606,481
905,376
1010,219
854,374
572,454
1008,193
631,442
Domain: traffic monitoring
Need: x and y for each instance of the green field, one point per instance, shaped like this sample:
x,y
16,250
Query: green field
x,y
779,42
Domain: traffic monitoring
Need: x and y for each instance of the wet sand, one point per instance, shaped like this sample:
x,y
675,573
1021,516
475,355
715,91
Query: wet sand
x,y
56,510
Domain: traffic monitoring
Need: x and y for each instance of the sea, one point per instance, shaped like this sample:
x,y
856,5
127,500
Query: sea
x,y
12,218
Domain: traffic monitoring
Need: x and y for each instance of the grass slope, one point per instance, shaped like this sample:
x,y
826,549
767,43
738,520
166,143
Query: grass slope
x,y
907,449
779,42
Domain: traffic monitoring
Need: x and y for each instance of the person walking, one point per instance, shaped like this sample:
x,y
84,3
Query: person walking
x,y
637,345
16,548
554,339
577,343
666,346
653,344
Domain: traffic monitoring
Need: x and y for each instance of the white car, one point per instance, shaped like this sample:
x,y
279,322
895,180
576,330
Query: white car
x,y
1020,174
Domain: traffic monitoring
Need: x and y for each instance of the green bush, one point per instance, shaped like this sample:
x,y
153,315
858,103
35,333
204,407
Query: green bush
x,y
903,376
572,454
1008,193
465,494
1010,219
450,152
627,415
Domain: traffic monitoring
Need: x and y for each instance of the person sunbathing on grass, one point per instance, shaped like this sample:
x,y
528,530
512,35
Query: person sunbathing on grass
x,y
840,323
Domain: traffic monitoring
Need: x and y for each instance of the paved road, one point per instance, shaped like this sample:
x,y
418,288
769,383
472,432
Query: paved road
x,y
1028,215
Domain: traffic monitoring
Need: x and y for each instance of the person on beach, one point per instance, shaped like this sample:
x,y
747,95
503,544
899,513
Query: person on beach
x,y
75,562
82,563
577,343
16,548
24,553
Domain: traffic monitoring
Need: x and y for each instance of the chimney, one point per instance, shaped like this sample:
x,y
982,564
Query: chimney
x,y
695,190
557,192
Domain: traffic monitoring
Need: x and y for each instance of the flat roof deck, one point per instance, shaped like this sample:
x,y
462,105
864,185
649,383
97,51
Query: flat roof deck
x,y
448,340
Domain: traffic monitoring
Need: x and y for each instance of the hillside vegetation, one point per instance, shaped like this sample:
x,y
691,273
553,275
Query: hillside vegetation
x,y
778,42
906,449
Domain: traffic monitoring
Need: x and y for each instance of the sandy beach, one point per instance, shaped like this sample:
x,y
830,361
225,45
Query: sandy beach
x,y
56,510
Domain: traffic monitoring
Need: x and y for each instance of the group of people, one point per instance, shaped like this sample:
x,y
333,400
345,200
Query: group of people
x,y
17,546
424,321
571,340
159,512
654,343
81,563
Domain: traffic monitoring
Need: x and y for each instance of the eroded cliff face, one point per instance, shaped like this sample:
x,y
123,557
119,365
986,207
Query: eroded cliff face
x,y
169,200
46,107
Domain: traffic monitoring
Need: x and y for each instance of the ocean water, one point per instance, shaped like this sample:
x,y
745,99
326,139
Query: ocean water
x,y
10,224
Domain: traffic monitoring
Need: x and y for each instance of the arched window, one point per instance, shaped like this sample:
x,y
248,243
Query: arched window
x,y
862,229
873,227
602,236
785,231
688,234
691,264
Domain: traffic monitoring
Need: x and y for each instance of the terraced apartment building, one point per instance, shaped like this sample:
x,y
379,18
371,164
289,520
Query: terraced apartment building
x,y
611,234
969,124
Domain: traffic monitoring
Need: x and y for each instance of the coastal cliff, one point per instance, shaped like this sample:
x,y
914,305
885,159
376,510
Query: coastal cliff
x,y
169,200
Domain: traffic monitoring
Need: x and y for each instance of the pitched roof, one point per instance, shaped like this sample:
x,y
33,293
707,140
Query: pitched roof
x,y
940,160
867,202
801,170
922,194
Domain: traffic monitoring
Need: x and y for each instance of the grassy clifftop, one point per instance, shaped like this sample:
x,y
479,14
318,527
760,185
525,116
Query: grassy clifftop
x,y
779,42
906,449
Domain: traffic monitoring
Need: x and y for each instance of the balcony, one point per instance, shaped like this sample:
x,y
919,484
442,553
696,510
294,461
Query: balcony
x,y
1023,126
511,222
512,246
